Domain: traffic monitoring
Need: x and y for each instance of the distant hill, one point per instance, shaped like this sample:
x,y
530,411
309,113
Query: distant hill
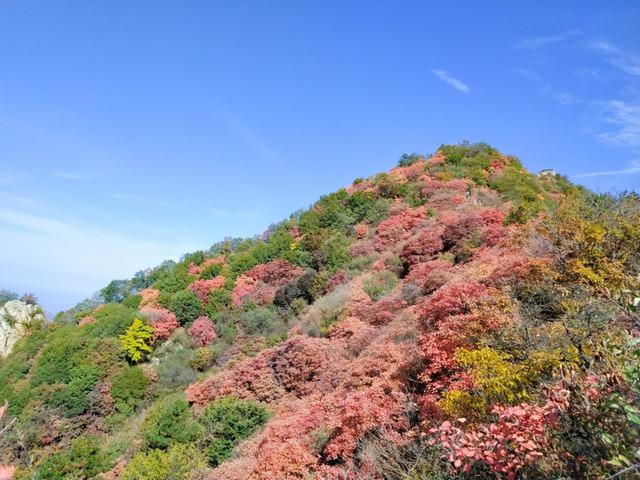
x,y
457,317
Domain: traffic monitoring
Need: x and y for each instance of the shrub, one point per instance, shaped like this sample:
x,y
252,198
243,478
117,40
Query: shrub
x,y
84,460
136,341
203,331
169,422
111,321
380,284
132,301
128,389
186,306
73,397
176,463
174,370
261,321
225,422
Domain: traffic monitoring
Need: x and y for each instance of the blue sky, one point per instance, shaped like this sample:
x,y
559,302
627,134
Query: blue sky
x,y
131,132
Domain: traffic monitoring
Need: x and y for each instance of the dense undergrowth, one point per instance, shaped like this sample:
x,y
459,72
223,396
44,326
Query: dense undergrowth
x,y
457,317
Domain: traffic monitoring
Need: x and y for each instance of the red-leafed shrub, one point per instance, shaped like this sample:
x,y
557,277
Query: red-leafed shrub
x,y
431,185
259,284
163,321
203,331
202,288
423,246
353,333
360,411
517,439
430,275
249,289
149,296
361,230
275,273
398,227
452,299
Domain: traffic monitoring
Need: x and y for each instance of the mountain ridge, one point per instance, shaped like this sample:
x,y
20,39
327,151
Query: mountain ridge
x,y
456,317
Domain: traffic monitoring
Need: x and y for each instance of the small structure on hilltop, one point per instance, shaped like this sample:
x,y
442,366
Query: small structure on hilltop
x,y
547,172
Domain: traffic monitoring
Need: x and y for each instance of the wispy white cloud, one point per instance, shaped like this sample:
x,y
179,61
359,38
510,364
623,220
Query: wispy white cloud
x,y
539,42
78,259
9,178
16,200
454,82
632,168
250,138
628,63
559,97
233,213
74,175
138,198
624,117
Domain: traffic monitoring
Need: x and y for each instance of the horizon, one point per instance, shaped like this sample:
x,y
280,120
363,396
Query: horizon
x,y
131,134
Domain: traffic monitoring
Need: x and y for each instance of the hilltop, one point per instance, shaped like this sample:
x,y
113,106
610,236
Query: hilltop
x,y
456,317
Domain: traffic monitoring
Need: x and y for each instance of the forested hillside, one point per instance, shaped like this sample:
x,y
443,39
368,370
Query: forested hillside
x,y
455,318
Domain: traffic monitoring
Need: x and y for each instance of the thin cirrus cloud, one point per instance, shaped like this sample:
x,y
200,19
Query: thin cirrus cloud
x,y
624,117
452,81
539,42
138,199
632,168
74,175
627,63
70,247
545,89
233,213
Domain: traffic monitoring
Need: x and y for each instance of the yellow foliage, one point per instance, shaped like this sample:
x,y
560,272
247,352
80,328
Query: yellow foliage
x,y
135,341
456,404
498,378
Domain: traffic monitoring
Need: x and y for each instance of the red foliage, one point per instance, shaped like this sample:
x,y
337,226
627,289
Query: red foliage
x,y
517,439
163,321
459,225
86,320
248,289
430,275
259,284
423,246
149,296
451,299
203,331
340,278
202,288
360,411
275,273
361,230
432,185
398,227
297,367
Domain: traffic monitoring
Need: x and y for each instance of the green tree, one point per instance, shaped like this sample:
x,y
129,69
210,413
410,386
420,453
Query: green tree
x,y
225,422
186,306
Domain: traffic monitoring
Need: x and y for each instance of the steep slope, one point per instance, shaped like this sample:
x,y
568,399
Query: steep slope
x,y
457,317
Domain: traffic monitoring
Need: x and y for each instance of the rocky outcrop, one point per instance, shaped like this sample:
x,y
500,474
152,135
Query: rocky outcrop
x,y
16,320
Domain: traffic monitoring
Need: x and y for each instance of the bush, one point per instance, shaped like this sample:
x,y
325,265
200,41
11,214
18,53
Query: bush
x,y
176,463
261,321
132,301
111,321
174,370
73,397
128,389
380,284
225,422
136,341
169,422
186,306
83,460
